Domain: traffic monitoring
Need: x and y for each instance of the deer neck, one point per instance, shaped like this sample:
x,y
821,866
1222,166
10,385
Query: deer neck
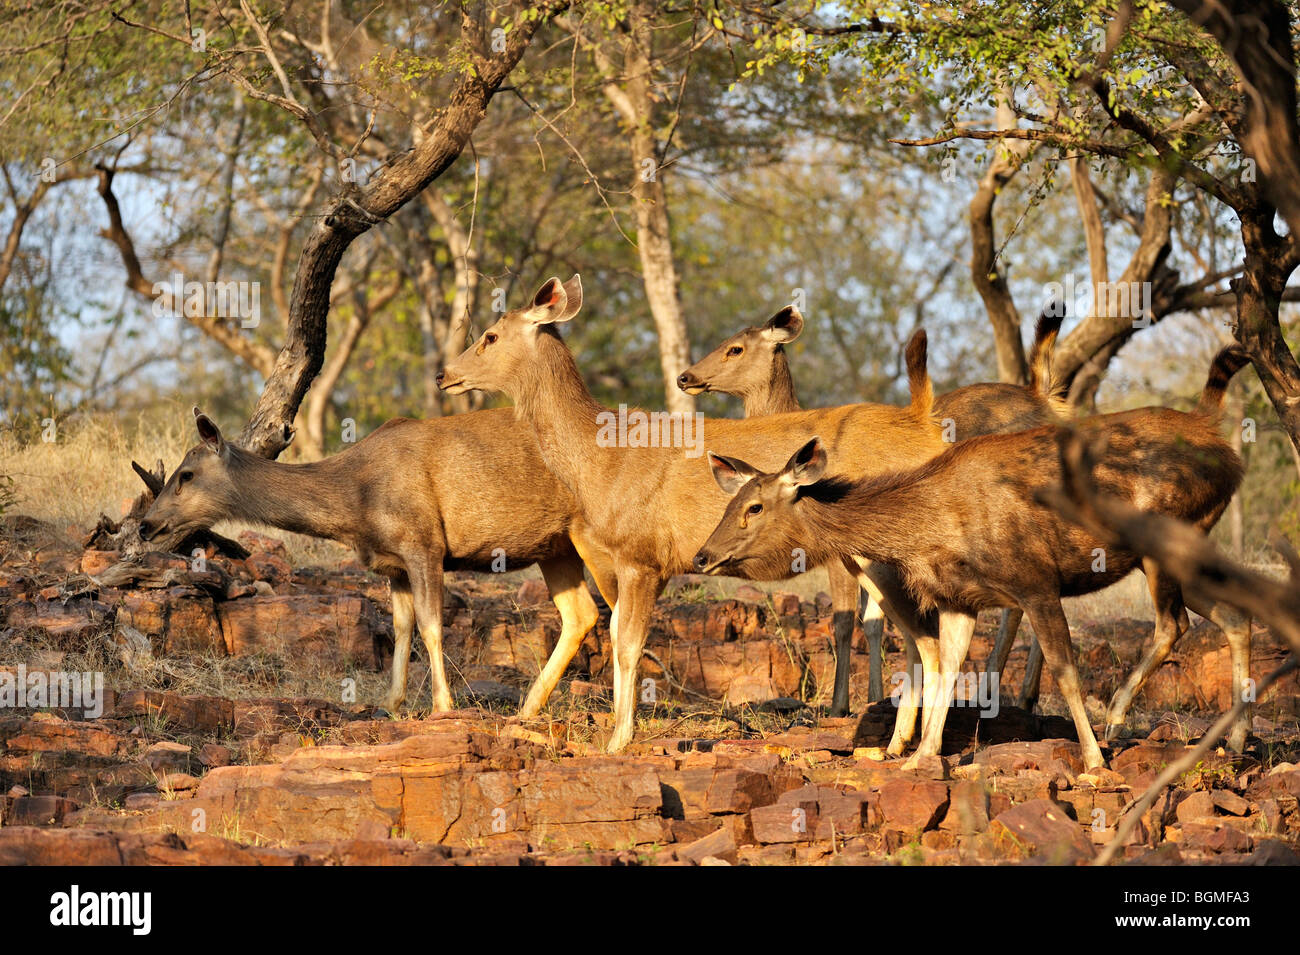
x,y
551,395
889,519
316,498
777,395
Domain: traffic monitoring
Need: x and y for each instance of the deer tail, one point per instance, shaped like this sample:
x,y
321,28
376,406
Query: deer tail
x,y
1041,379
1230,360
918,375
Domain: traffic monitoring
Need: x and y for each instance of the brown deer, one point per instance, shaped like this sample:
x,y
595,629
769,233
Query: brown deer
x,y
413,498
648,506
968,532
752,365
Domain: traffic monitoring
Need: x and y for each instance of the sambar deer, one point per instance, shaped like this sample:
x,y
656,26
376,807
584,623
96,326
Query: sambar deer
x,y
968,533
649,508
413,499
752,365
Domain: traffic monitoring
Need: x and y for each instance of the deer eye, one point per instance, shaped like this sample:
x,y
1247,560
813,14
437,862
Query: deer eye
x,y
734,351
755,508
186,476
490,338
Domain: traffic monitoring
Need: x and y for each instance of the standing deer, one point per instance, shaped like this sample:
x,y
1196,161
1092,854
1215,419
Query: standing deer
x,y
968,532
752,364
649,508
413,498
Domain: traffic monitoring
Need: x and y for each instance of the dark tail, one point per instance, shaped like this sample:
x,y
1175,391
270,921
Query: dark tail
x,y
918,374
1041,379
1230,360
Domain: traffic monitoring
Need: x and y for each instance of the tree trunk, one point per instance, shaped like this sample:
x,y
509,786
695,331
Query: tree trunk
x,y
635,102
989,281
1269,263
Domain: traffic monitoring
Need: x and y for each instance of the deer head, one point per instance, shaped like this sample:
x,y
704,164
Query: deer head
x,y
761,526
744,362
499,358
200,491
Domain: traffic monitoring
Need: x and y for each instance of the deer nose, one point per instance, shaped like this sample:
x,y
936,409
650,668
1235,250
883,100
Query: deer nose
x,y
685,380
701,561
441,376
147,529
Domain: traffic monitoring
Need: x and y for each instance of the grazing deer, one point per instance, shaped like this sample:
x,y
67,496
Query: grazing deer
x,y
413,498
968,532
649,508
752,365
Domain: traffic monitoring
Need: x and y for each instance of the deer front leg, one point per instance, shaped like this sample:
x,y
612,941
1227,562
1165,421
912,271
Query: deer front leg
x,y
637,592
920,633
1170,615
955,631
426,589
1048,621
844,601
403,624
1236,627
577,616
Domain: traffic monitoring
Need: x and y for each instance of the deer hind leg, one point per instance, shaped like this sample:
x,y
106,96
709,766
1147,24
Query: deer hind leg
x,y
403,624
1028,698
955,631
1006,639
578,615
426,590
1171,622
844,600
637,592
1048,621
1236,627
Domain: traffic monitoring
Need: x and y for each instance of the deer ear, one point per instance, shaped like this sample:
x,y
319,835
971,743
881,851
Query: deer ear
x,y
731,473
573,290
806,466
209,433
784,327
550,304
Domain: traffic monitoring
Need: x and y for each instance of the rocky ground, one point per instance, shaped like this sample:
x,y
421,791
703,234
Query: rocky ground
x,y
238,726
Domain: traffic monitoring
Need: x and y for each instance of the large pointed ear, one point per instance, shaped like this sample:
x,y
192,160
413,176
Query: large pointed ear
x,y
209,433
731,473
550,303
806,466
784,327
572,289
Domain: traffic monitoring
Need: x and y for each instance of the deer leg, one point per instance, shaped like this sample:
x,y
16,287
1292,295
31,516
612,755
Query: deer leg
x,y
1028,698
637,592
920,634
955,631
844,601
578,615
1170,617
1048,620
873,624
426,589
1236,627
403,624
1006,639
